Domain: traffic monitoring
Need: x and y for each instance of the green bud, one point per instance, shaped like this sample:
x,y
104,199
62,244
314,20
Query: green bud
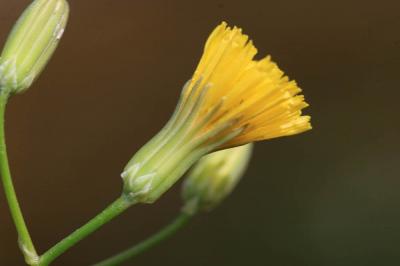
x,y
214,177
31,43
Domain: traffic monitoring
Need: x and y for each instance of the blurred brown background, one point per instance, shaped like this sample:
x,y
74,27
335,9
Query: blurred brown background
x,y
327,197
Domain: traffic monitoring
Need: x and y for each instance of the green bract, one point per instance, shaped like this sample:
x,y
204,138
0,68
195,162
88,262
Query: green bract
x,y
167,156
31,43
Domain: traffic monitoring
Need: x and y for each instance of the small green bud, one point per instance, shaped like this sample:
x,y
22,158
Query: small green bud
x,y
214,177
31,43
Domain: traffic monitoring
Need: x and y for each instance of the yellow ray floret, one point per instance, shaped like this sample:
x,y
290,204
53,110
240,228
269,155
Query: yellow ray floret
x,y
254,95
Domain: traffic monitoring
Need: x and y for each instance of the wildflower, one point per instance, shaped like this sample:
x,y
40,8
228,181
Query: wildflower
x,y
31,43
231,100
214,177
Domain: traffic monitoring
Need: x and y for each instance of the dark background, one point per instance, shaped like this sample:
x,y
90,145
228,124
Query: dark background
x,y
326,197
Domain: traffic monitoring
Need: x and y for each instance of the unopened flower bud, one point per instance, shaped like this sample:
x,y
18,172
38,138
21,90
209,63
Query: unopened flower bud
x,y
214,177
31,43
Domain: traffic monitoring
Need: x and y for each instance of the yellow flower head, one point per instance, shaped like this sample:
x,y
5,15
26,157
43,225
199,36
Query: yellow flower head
x,y
231,100
259,100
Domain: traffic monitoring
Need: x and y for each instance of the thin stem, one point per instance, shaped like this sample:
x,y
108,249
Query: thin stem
x,y
24,239
180,221
112,211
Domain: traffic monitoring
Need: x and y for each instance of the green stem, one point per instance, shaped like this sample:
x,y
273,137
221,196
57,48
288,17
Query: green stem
x,y
112,211
24,239
148,243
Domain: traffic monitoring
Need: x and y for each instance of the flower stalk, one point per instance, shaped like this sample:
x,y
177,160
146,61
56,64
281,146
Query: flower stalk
x,y
178,223
109,213
24,238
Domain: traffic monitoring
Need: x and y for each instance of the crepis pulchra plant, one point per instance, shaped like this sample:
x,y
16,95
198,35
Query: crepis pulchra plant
x,y
231,101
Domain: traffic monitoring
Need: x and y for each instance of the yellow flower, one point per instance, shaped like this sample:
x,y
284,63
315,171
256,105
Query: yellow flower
x,y
231,100
256,94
